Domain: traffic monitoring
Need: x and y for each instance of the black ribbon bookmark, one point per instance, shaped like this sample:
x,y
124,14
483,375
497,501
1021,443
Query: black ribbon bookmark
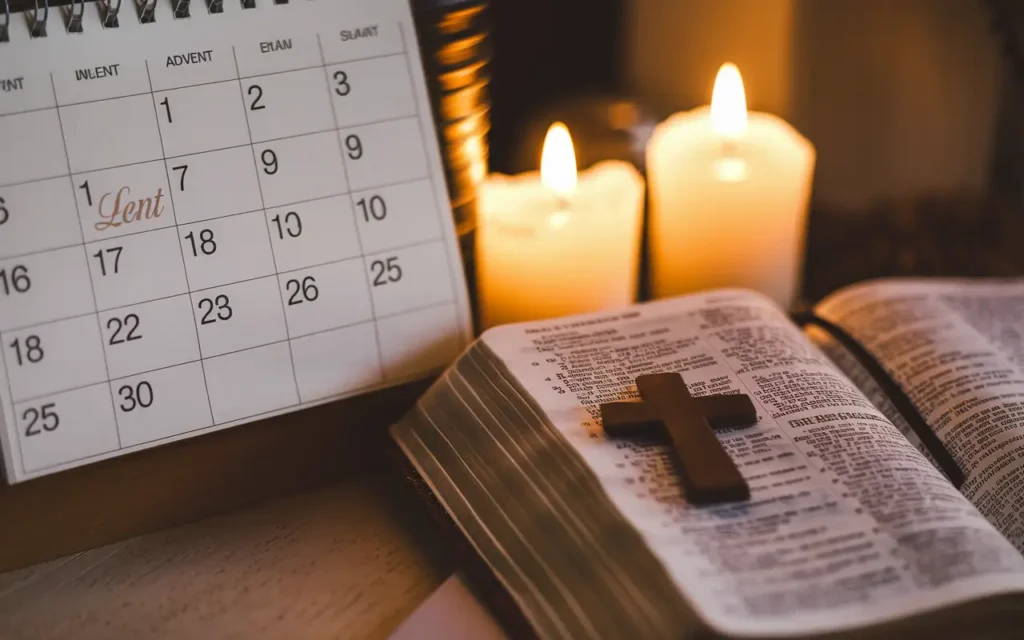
x,y
896,395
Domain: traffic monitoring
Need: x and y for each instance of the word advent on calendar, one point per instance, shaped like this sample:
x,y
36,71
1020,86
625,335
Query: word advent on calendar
x,y
211,216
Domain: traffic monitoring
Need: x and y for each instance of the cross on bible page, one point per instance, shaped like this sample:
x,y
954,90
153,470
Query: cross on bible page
x,y
668,411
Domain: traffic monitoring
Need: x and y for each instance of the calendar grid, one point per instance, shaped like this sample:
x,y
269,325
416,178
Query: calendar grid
x,y
332,209
453,269
10,394
243,146
256,416
181,249
92,286
359,237
131,234
434,305
239,77
358,258
24,111
323,63
205,151
32,181
263,203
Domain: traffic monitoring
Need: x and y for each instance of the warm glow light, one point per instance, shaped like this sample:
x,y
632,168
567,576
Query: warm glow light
x,y
729,103
558,161
558,220
729,169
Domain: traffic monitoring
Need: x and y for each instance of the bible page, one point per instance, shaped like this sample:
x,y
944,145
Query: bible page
x,y
957,350
848,524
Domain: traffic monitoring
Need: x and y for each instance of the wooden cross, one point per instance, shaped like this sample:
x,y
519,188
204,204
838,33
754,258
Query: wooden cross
x,y
709,476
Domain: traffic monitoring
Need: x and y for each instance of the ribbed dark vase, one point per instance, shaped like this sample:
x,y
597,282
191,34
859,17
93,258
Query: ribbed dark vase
x,y
456,55
455,41
1007,19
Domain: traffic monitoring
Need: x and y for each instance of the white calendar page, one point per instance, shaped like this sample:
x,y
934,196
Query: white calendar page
x,y
209,220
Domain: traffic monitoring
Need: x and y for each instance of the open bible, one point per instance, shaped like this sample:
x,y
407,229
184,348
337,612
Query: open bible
x,y
885,467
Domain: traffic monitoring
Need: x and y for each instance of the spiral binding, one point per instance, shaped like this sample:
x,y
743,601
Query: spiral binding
x,y
109,11
73,16
108,14
147,10
5,28
37,27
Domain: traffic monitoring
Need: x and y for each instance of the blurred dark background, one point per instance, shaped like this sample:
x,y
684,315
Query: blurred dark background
x,y
545,53
915,108
899,96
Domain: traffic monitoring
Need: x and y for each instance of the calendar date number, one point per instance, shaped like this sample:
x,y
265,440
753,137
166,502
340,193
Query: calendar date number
x,y
290,225
166,102
256,93
40,419
341,84
304,291
373,208
385,272
16,280
216,309
354,146
111,257
139,396
206,243
129,325
183,168
29,351
5,214
269,160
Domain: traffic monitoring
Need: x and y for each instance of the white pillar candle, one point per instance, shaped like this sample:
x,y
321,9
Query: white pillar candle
x,y
729,198
554,243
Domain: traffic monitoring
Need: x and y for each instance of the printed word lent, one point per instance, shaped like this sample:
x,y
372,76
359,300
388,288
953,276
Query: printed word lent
x,y
122,209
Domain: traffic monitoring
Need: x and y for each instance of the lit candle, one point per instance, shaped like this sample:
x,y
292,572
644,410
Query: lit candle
x,y
558,243
729,198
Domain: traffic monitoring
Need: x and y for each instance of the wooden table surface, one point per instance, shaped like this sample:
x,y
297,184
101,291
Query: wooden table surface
x,y
348,561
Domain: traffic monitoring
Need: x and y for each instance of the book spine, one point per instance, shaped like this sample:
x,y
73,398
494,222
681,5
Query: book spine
x,y
478,575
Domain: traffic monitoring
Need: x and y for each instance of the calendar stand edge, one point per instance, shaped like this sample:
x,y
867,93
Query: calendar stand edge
x,y
198,478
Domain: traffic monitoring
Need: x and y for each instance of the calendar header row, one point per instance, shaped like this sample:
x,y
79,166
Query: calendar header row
x,y
196,63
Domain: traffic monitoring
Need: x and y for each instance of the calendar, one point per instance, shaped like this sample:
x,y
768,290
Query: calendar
x,y
211,213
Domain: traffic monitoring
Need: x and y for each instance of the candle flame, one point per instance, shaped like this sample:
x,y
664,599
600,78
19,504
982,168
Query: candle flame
x,y
558,161
729,103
